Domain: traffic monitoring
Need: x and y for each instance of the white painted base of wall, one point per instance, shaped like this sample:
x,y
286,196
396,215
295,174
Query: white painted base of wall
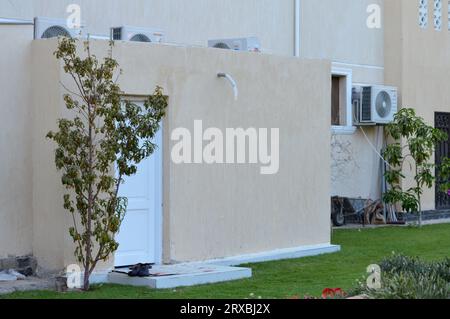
x,y
279,254
99,277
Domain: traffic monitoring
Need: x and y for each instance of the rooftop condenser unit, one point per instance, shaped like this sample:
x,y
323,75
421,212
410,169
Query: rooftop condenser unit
x,y
250,44
134,34
46,28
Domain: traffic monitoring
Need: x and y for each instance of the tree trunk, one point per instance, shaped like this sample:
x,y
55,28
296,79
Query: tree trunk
x,y
88,260
419,198
420,218
420,210
86,284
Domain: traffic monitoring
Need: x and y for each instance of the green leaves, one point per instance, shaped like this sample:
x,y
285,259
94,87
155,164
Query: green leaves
x,y
104,132
415,140
444,175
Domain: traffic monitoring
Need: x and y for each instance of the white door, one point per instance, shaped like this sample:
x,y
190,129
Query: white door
x,y
140,236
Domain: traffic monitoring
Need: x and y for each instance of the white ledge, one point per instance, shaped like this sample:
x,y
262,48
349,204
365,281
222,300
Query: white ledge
x,y
343,130
279,254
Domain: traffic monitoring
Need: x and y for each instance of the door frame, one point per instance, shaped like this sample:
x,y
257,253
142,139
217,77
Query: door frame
x,y
159,182
159,213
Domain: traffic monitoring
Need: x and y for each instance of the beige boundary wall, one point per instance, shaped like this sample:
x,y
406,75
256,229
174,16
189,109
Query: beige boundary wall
x,y
209,211
190,22
329,30
16,221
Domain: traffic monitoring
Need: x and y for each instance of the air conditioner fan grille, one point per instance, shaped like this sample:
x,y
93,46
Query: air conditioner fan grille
x,y
55,31
383,104
140,38
222,45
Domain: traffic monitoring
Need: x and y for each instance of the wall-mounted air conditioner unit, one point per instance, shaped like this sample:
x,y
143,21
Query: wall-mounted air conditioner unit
x,y
251,44
46,28
374,104
126,33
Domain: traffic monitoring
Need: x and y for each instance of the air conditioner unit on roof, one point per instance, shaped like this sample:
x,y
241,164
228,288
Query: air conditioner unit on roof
x,y
376,104
126,33
46,28
251,44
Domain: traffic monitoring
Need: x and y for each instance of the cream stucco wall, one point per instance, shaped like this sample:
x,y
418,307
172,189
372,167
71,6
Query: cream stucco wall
x,y
51,242
190,22
419,64
219,210
241,211
337,31
15,142
183,22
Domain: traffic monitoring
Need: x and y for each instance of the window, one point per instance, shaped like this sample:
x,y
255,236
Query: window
x,y
423,13
448,9
337,100
341,104
437,15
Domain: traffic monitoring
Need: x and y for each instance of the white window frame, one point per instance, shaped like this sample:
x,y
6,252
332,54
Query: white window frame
x,y
347,129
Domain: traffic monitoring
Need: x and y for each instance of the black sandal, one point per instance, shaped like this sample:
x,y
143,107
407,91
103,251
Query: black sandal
x,y
140,270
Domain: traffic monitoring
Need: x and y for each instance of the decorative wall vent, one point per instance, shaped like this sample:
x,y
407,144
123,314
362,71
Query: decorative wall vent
x,y
437,9
449,15
423,13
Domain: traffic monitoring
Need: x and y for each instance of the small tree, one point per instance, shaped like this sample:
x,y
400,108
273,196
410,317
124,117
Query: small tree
x,y
419,142
103,143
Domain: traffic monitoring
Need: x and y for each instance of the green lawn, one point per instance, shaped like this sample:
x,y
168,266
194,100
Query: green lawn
x,y
284,279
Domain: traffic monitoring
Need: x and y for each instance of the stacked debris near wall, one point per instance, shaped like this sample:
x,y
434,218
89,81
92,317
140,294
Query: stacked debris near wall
x,y
346,210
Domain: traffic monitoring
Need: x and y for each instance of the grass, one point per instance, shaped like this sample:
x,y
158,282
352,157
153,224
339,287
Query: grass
x,y
299,277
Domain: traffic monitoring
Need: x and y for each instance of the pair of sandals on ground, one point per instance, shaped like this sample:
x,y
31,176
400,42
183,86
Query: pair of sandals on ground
x,y
140,270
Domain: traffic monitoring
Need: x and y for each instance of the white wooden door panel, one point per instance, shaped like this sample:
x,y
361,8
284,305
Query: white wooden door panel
x,y
139,234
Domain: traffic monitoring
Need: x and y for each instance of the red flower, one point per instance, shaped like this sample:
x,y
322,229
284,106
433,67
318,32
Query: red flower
x,y
331,293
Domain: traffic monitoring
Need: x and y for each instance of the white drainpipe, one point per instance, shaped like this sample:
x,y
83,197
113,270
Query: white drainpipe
x,y
297,28
8,21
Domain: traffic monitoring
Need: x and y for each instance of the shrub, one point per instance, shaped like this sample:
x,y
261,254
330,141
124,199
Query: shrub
x,y
407,285
416,266
405,277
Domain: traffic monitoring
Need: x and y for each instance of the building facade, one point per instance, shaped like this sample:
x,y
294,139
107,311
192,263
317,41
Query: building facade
x,y
309,49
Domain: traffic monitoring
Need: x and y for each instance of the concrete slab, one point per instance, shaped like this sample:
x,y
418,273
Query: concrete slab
x,y
181,275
